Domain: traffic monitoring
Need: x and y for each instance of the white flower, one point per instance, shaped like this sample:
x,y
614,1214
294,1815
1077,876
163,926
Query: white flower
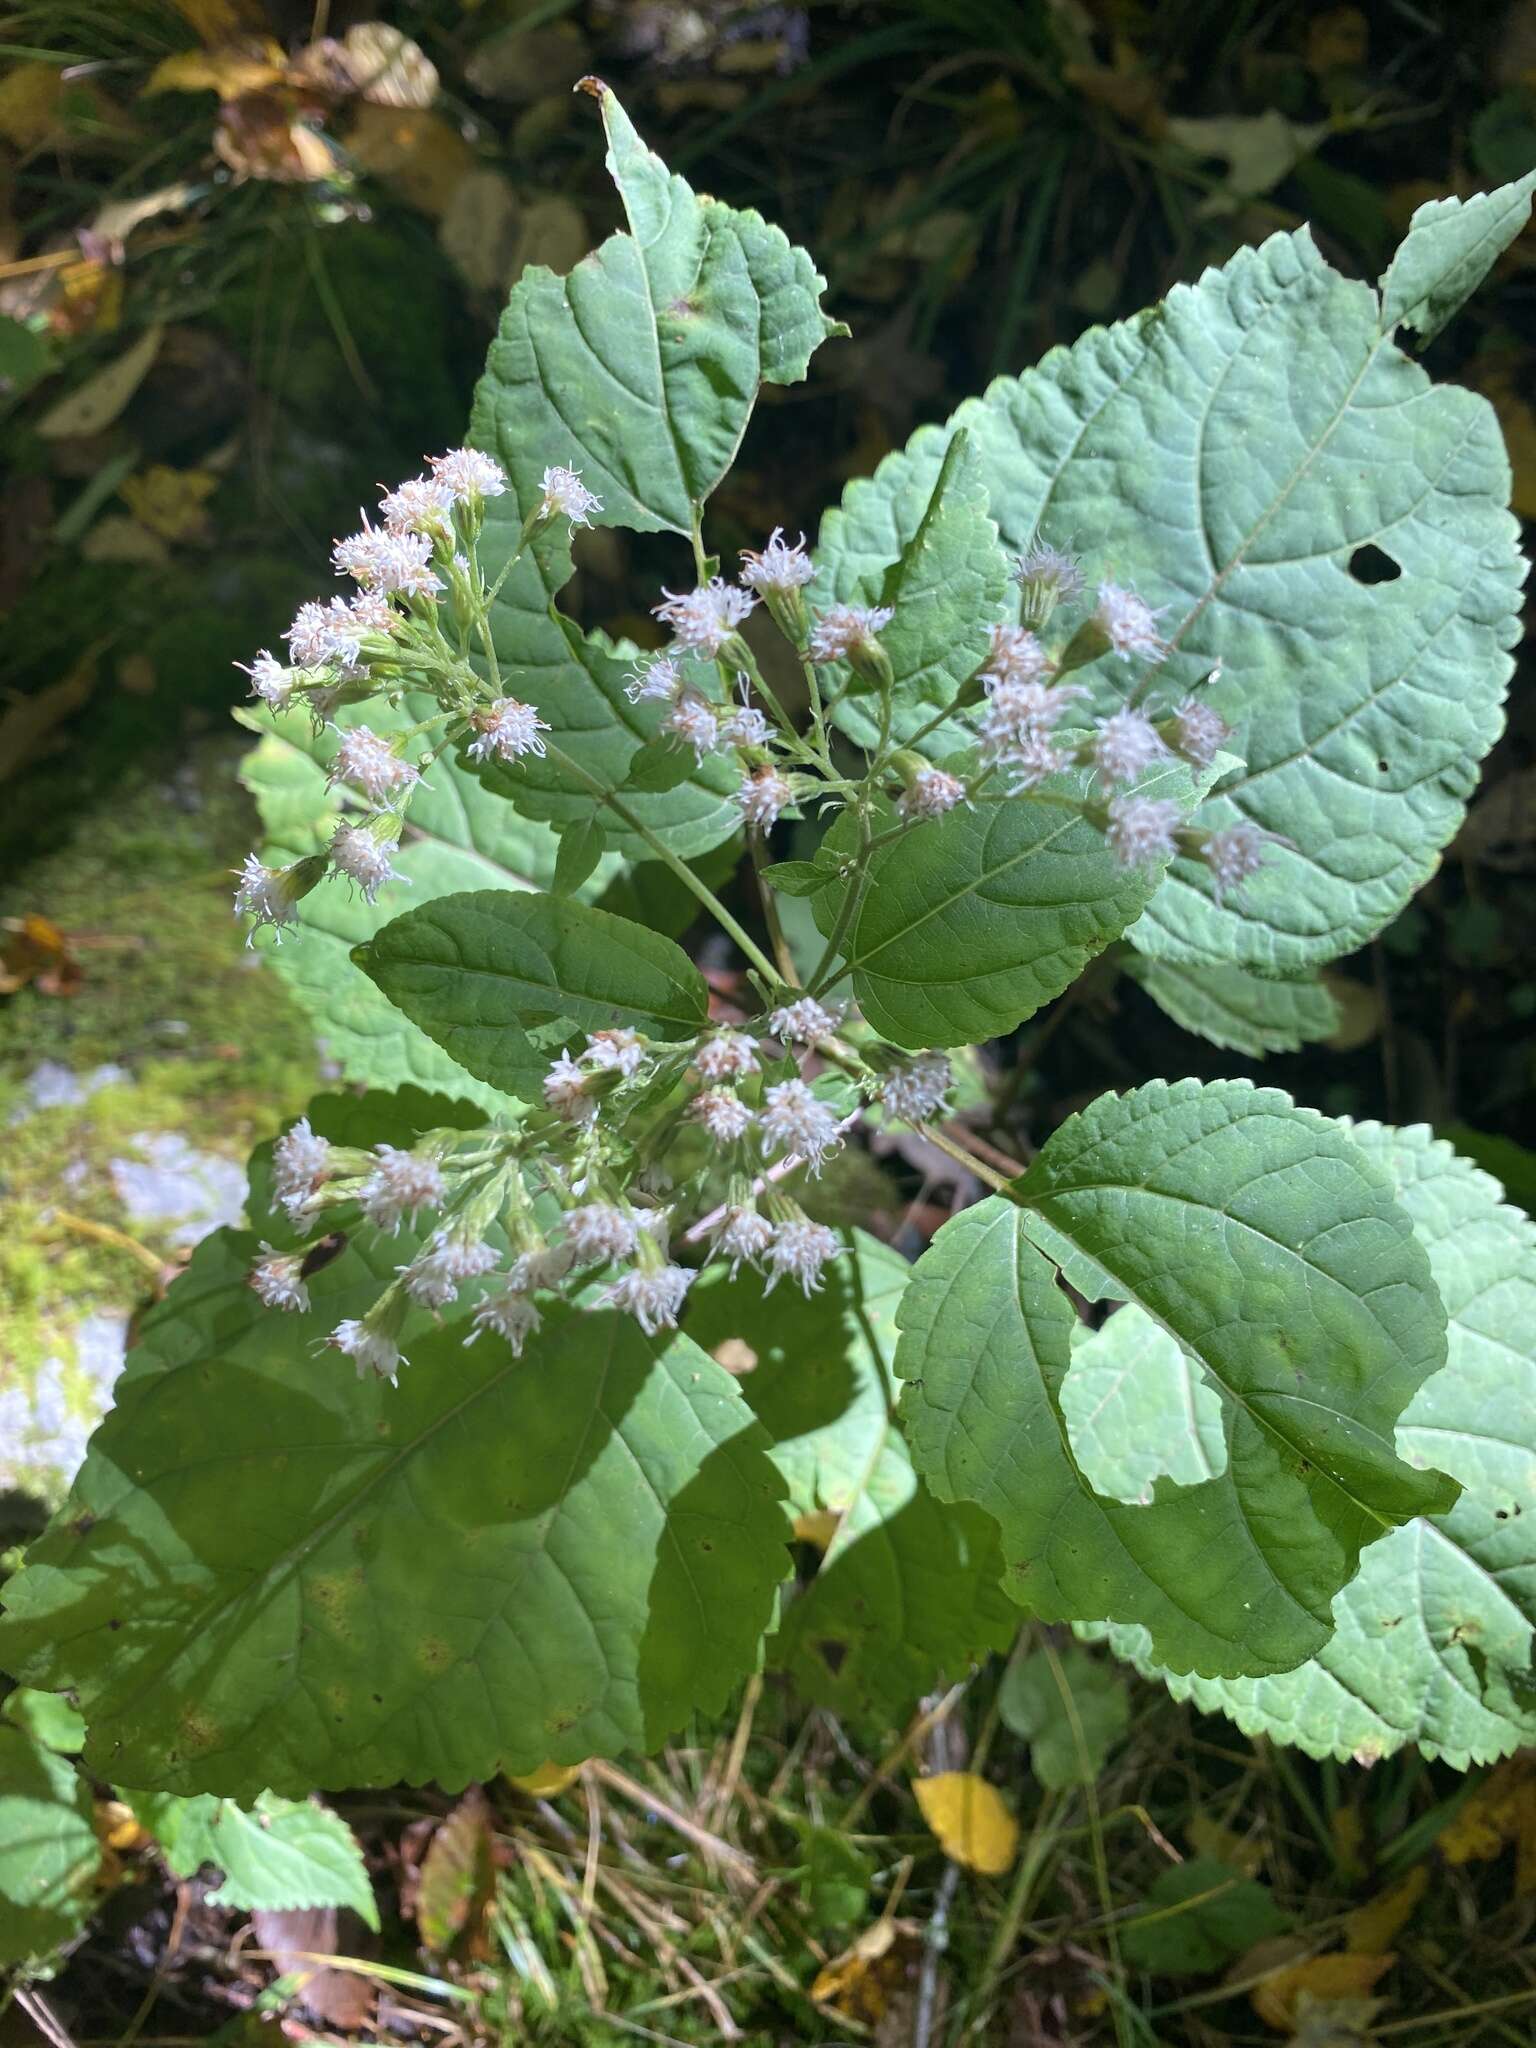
x,y
278,1280
363,859
388,560
616,1051
1016,656
653,1297
1236,853
370,611
915,1091
1129,624
1141,829
844,628
726,1055
265,895
930,793
704,619
762,796
372,1349
724,1115
1021,711
418,504
777,566
270,681
566,494
694,719
1199,732
443,1264
655,679
1125,746
599,1230
468,474
401,1184
300,1162
1030,762
1049,569
805,1021
509,1312
508,729
324,636
742,1234
745,727
565,1092
794,1121
546,1265
799,1251
371,764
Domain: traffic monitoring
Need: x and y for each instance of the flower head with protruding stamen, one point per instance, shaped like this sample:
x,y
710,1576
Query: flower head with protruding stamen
x,y
1125,746
843,630
725,1056
371,764
1141,830
262,894
373,1350
421,504
565,1092
620,1050
1050,570
278,1280
300,1163
742,1234
930,793
1198,732
1236,853
599,1231
402,1184
794,1121
1015,656
695,721
270,681
566,496
469,474
394,560
433,1278
507,730
745,726
762,797
778,566
799,1250
724,1116
1030,762
656,680
915,1090
356,853
507,1312
652,1295
1128,623
703,620
805,1021
325,636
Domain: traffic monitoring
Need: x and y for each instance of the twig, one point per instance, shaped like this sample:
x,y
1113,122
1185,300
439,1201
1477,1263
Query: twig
x,y
104,1233
923,1725
709,1846
935,1941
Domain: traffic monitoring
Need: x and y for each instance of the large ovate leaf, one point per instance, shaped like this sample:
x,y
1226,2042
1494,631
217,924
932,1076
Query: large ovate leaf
x,y
49,1854
1233,1007
932,555
1434,1640
278,1856
459,836
1260,1239
494,1564
908,1591
640,369
971,922
479,972
1227,456
1451,246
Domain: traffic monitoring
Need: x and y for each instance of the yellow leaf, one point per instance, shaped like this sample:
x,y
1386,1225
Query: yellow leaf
x,y
1502,1809
968,1816
118,1826
548,1781
1279,1998
29,96
857,1983
248,65
1369,1930
170,501
117,538
97,402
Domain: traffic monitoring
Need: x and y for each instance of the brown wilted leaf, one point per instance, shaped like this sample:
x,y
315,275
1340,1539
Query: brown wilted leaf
x,y
457,1881
259,136
342,1999
34,950
858,1984
423,156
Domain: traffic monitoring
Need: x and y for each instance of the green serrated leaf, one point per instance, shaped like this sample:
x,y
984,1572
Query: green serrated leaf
x,y
1435,1639
968,924
496,1564
1450,247
1361,709
1249,1013
1259,1237
908,1589
1071,1708
1199,1915
280,1856
581,848
49,1854
480,972
799,877
1127,1380
460,837
943,572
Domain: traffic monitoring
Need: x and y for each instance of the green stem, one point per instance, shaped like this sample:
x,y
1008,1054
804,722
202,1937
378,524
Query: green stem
x,y
690,881
787,969
822,976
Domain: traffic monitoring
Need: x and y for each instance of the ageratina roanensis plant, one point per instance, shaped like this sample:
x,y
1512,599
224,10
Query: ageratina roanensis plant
x,y
1109,657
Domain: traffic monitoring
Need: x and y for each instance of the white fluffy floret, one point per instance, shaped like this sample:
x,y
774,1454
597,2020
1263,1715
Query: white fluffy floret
x,y
1234,854
915,1091
599,1231
264,895
1016,656
726,1055
278,1280
777,567
1128,623
565,1092
468,474
325,636
694,720
654,681
704,619
745,726
419,505
270,681
371,764
794,1121
742,1234
393,560
1199,733
1141,829
1030,761
762,797
507,730
652,1295
805,1021
372,1350
1125,746
543,1265
508,1312
618,1050
724,1115
401,1185
300,1163
363,859
844,628
443,1264
930,793
1049,569
799,1250
567,497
